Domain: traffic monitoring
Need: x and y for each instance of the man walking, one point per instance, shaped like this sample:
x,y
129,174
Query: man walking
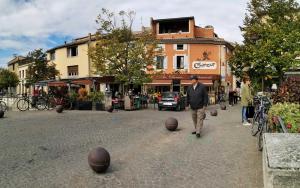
x,y
197,98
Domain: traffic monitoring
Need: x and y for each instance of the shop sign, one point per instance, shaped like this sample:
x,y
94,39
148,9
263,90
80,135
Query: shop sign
x,y
204,65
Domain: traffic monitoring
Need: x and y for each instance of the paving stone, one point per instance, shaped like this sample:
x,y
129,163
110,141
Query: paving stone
x,y
46,149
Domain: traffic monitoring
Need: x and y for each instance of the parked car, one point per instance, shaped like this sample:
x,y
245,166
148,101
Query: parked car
x,y
171,100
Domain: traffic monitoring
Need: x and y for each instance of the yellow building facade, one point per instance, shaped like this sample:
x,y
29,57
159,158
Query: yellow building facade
x,y
19,65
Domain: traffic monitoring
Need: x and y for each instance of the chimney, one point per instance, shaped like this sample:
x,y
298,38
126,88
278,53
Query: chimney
x,y
90,36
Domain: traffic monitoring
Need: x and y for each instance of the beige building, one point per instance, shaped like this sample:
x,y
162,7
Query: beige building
x,y
71,59
19,65
73,63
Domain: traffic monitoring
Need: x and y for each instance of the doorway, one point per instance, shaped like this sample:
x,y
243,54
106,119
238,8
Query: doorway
x,y
176,85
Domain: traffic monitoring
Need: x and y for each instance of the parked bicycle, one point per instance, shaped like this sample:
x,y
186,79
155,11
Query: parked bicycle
x,y
13,99
52,101
259,124
27,102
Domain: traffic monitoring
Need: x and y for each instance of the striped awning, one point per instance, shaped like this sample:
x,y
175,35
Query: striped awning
x,y
57,84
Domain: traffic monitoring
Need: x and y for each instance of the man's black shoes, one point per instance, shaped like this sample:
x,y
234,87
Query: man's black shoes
x,y
198,135
194,132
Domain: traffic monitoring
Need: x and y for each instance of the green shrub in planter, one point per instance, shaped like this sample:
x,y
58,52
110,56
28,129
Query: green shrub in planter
x,y
73,98
97,97
289,112
83,102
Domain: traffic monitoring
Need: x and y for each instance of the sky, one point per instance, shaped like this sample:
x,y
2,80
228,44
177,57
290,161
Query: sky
x,y
26,25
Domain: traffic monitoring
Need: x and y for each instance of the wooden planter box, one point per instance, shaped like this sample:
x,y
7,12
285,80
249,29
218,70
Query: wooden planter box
x,y
100,106
84,105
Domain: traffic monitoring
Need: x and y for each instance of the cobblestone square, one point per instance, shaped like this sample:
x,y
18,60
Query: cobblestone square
x,y
46,149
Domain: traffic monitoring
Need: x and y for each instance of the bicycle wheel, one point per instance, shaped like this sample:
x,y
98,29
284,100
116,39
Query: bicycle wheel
x,y
260,136
255,124
3,106
41,104
23,104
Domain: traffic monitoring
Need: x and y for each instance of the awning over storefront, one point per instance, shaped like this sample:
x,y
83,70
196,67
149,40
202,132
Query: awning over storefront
x,y
82,82
189,82
160,83
57,84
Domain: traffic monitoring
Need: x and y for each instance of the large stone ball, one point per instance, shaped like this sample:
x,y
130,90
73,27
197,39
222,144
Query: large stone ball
x,y
214,112
171,124
99,159
1,114
59,108
223,107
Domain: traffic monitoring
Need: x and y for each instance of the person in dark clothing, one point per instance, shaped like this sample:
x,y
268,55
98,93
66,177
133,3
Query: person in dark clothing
x,y
197,99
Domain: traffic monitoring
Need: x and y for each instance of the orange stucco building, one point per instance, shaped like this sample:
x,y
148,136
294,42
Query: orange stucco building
x,y
187,49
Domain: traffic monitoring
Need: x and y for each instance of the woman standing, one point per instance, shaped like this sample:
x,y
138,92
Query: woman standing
x,y
246,99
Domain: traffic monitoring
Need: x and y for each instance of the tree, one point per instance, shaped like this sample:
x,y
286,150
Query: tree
x,y
119,51
271,39
8,79
39,69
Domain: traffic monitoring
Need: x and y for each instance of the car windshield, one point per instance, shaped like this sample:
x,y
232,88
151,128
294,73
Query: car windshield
x,y
168,95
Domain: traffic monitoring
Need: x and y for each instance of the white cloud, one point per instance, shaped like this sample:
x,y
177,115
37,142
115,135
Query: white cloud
x,y
27,24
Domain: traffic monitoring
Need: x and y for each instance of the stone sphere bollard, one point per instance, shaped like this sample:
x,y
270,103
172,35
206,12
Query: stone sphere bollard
x,y
223,107
59,108
99,159
1,114
171,124
214,112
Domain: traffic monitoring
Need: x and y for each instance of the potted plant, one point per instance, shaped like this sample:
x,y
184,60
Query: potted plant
x,y
290,115
73,97
97,97
83,102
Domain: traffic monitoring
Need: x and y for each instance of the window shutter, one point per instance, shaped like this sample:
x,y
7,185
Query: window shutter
x,y
175,46
186,62
185,47
165,62
174,62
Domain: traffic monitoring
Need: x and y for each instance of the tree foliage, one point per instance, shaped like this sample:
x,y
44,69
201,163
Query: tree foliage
x,y
271,39
119,51
39,68
8,79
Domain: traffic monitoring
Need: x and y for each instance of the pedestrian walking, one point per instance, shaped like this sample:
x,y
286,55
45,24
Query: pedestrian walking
x,y
246,100
231,95
197,99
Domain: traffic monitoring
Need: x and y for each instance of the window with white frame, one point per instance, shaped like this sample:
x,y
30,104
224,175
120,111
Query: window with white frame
x,y
160,62
180,47
72,51
179,62
73,70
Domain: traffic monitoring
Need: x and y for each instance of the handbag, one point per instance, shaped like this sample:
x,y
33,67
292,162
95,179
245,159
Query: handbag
x,y
250,111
